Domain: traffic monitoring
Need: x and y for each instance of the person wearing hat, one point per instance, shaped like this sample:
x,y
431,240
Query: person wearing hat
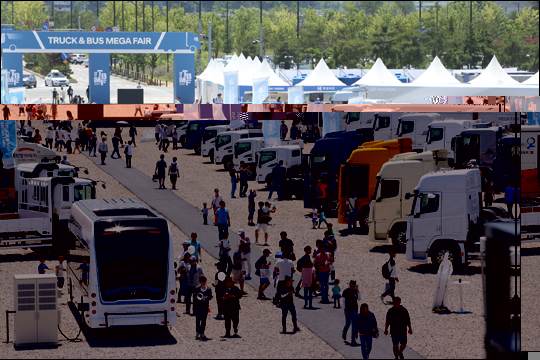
x,y
103,150
65,160
185,245
247,253
287,304
318,101
231,307
238,264
182,275
262,270
350,299
194,273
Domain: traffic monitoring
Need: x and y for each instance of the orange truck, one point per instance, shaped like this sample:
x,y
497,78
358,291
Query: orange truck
x,y
358,177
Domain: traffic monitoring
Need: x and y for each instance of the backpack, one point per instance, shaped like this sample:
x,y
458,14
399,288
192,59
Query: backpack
x,y
385,271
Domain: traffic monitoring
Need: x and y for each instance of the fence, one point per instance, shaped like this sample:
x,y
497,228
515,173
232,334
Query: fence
x,y
138,76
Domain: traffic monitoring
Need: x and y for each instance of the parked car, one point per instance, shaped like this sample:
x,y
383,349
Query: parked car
x,y
78,58
56,78
86,63
29,80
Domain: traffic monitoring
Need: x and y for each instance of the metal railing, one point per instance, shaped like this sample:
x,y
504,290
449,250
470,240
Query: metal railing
x,y
284,77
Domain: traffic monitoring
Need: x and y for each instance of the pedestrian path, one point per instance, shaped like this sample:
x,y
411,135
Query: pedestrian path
x,y
325,322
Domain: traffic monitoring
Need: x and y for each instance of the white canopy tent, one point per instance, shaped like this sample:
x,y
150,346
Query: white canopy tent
x,y
245,77
436,74
533,80
202,78
321,76
378,75
212,82
273,78
494,75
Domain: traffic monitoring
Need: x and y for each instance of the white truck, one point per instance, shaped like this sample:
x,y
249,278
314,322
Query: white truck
x,y
446,217
442,135
30,152
392,201
44,170
42,212
270,157
247,150
208,143
414,126
224,145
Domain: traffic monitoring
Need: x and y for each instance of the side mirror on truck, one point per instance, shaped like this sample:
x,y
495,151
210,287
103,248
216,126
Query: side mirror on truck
x,y
416,216
407,196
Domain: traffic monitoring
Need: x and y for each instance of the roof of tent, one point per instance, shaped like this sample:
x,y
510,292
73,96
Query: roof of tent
x,y
435,74
232,63
245,77
273,78
378,75
208,70
494,75
217,75
321,76
533,80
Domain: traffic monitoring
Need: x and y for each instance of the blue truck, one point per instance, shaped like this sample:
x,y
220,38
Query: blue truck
x,y
324,162
195,131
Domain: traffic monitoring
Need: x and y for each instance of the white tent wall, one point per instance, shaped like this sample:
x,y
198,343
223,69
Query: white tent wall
x,y
378,75
493,75
435,74
533,80
321,76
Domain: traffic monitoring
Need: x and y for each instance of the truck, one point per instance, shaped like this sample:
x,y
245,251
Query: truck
x,y
391,204
479,144
442,135
42,212
224,144
38,170
358,176
293,183
181,125
530,183
195,131
209,140
508,157
446,218
325,160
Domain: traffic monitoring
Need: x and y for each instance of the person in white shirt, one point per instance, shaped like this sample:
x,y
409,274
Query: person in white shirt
x,y
391,263
128,151
157,131
139,85
59,139
178,100
103,150
49,137
60,272
164,139
284,267
147,112
63,95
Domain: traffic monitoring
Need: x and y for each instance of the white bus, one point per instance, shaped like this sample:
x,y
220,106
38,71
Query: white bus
x,y
130,257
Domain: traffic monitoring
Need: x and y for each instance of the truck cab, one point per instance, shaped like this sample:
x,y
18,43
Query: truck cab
x,y
224,144
270,157
392,202
248,150
195,131
508,156
43,170
209,140
415,126
479,144
442,135
445,217
358,176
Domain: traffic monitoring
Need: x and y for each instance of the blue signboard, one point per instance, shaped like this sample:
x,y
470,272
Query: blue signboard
x,y
184,77
8,142
99,79
109,29
13,64
99,42
65,56
8,28
45,28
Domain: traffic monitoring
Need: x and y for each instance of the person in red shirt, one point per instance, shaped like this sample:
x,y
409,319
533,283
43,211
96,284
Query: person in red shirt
x,y
320,192
323,261
37,137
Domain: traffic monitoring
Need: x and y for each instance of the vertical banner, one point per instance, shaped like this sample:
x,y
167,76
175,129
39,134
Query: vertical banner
x,y
4,87
16,96
533,118
12,62
99,79
331,122
296,94
191,112
184,77
217,110
260,90
8,142
231,87
271,133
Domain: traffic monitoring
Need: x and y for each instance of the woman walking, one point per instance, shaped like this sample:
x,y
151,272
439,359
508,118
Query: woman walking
x,y
287,304
308,277
366,326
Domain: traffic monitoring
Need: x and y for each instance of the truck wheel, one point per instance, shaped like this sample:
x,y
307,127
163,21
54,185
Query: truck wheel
x,y
212,156
197,148
227,160
363,218
399,236
438,252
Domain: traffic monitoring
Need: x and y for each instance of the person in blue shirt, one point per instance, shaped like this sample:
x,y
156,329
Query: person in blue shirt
x,y
224,220
284,130
510,199
85,271
42,267
197,246
318,101
277,178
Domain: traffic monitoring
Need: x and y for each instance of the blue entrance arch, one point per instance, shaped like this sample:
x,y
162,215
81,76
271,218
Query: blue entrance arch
x,y
100,45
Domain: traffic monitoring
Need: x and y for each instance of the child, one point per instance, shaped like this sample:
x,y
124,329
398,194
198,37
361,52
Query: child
x,y
42,267
204,213
314,216
59,269
336,294
322,219
251,207
85,271
224,245
330,227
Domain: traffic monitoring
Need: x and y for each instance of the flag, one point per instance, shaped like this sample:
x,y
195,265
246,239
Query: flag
x,y
237,124
8,142
271,133
191,112
230,91
296,94
217,110
331,122
260,90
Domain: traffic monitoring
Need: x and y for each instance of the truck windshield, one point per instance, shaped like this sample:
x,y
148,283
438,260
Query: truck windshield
x,y
267,156
429,203
132,264
209,134
84,192
467,148
241,147
223,140
193,127
507,152
435,134
355,182
352,117
405,127
321,161
381,122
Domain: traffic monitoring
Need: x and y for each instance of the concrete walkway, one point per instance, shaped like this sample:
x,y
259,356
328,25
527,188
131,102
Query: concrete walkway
x,y
326,322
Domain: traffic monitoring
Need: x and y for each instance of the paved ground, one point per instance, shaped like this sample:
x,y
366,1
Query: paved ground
x,y
152,94
324,322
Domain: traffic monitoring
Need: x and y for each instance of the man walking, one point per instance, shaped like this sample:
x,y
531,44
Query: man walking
x,y
238,263
70,93
262,267
277,178
173,172
116,150
161,166
234,180
103,150
129,154
320,192
224,220
157,132
244,240
323,261
244,170
231,307
398,319
284,130
133,133
54,96
366,327
287,305
350,299
194,272
6,112
390,274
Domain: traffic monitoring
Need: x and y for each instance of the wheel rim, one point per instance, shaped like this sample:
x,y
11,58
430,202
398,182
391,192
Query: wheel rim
x,y
441,253
401,239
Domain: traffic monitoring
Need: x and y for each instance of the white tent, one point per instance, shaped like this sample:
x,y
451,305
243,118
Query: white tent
x,y
533,80
378,75
215,78
435,74
494,75
273,79
245,76
321,76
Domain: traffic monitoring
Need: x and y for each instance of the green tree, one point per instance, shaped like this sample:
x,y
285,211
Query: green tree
x,y
35,12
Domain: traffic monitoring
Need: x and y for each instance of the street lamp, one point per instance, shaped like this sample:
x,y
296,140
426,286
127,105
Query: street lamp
x,y
515,3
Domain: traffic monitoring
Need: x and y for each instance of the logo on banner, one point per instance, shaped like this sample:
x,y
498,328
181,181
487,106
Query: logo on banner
x,y
184,77
100,78
14,77
530,142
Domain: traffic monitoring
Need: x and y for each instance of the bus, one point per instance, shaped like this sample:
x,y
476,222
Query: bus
x,y
128,249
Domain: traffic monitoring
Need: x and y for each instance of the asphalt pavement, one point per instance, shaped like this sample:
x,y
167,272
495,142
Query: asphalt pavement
x,y
324,321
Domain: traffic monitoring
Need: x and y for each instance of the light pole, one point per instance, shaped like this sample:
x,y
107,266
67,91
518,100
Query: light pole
x,y
136,17
143,19
114,13
261,35
515,3
97,12
200,36
71,13
227,28
167,21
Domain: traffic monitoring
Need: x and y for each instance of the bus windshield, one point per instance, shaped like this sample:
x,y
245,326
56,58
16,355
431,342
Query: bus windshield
x,y
132,260
266,157
241,147
209,134
193,127
84,192
223,140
